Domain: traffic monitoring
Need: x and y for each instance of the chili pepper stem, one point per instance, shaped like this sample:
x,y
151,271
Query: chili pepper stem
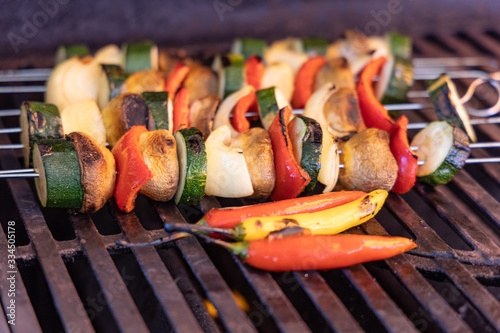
x,y
169,227
239,249
156,242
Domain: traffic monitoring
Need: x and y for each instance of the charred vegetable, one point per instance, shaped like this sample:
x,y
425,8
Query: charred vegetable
x,y
97,170
123,112
202,113
59,184
444,148
256,146
192,158
159,152
368,162
38,121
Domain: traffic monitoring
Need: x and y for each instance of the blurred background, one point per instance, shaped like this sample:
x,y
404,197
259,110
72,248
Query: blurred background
x,y
36,28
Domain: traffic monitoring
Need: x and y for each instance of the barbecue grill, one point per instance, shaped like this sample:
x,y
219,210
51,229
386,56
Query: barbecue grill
x,y
71,276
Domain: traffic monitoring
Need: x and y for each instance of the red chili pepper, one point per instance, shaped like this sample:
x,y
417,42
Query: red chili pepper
x,y
245,104
304,81
132,171
318,252
230,217
373,112
174,80
291,179
181,110
405,157
254,71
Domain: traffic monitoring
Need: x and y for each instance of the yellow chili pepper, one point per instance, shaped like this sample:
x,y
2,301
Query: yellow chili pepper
x,y
325,222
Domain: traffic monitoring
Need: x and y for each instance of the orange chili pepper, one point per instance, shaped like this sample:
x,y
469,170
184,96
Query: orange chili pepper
x,y
132,171
181,110
323,252
304,81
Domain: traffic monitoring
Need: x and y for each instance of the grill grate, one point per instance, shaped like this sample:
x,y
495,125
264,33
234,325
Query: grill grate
x,y
449,283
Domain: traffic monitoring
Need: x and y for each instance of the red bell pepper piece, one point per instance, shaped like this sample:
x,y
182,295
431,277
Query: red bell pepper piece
x,y
132,171
174,80
230,217
254,71
291,179
181,110
323,252
405,157
373,112
245,104
304,81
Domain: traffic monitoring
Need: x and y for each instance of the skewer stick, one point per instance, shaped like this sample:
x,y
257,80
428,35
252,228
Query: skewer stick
x,y
12,146
467,161
10,130
475,121
16,171
420,65
10,112
29,173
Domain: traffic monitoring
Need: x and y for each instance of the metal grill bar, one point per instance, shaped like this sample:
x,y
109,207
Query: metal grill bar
x,y
272,298
217,291
473,290
421,290
115,291
327,302
389,314
173,303
29,322
63,291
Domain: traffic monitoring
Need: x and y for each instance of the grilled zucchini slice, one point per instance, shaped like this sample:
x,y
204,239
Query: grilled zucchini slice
x,y
307,141
38,121
59,184
444,148
192,157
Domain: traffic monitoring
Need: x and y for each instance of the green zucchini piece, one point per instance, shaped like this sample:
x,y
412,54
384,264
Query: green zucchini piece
x,y
231,70
59,183
38,121
67,51
444,97
399,45
270,101
395,81
248,47
315,46
444,148
306,136
160,108
192,157
116,76
111,82
140,56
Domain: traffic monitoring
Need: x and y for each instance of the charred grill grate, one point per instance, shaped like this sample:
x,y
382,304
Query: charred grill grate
x,y
73,277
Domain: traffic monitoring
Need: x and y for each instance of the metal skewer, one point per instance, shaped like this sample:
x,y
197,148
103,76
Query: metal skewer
x,y
30,173
420,65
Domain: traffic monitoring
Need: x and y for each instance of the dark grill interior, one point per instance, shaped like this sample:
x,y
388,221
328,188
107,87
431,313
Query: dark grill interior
x,y
75,278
